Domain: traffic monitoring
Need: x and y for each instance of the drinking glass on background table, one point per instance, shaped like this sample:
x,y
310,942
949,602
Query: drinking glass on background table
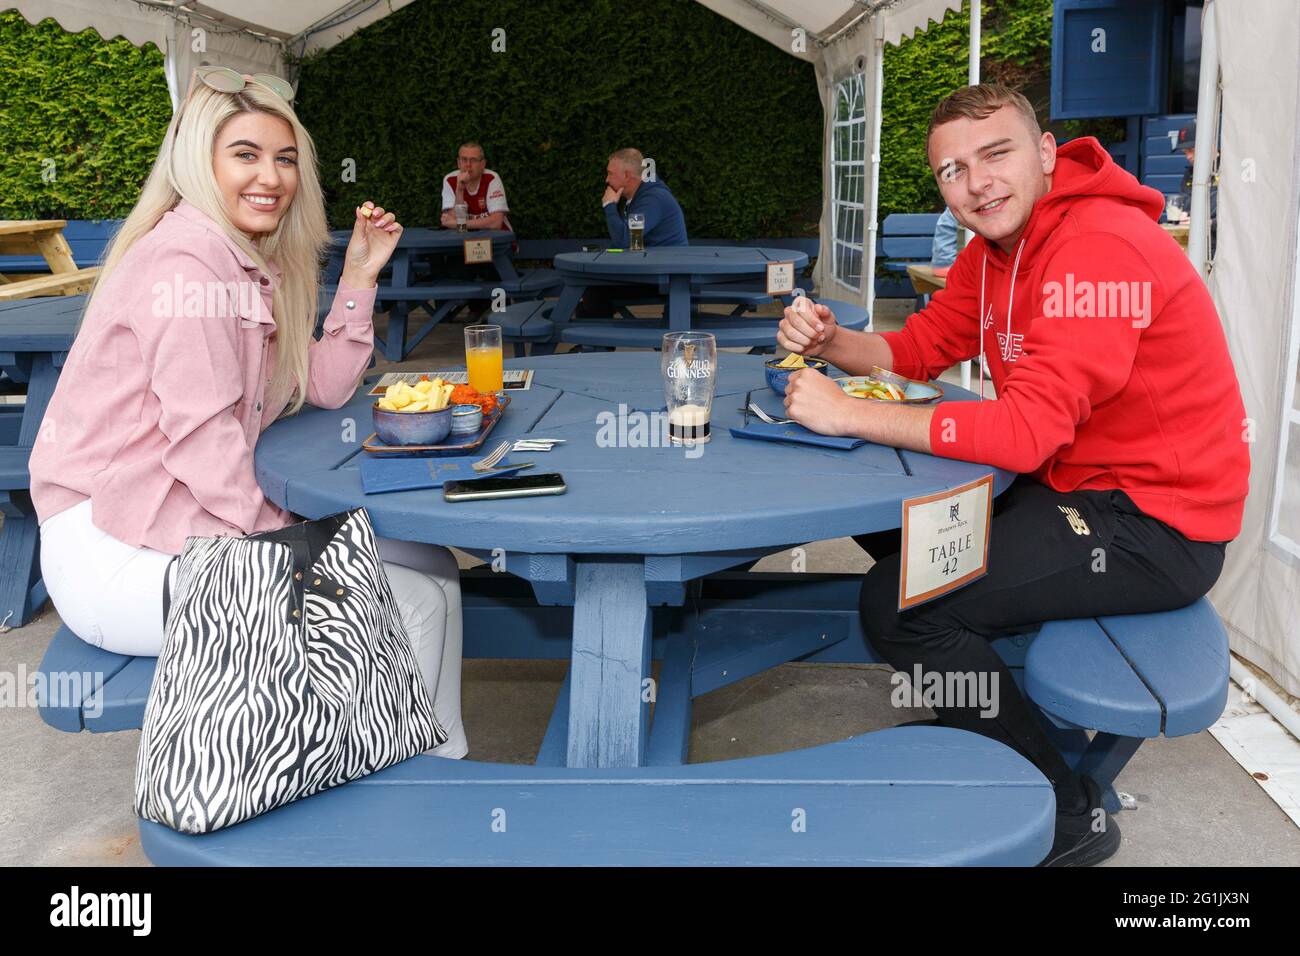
x,y
462,215
636,229
690,365
483,357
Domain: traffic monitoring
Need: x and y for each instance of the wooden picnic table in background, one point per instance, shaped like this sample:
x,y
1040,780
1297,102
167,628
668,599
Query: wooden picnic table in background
x,y
1179,231
924,281
44,237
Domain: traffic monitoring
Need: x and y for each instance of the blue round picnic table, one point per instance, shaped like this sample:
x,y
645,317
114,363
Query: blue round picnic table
x,y
640,519
677,270
609,565
427,239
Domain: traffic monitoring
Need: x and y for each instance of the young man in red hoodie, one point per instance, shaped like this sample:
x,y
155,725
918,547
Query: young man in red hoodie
x,y
1116,402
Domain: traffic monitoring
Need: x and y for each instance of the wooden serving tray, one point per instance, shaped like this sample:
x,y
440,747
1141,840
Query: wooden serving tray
x,y
460,445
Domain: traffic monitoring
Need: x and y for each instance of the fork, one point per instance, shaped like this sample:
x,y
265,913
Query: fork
x,y
487,464
753,407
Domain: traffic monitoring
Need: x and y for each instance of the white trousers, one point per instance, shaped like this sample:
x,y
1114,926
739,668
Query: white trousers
x,y
110,595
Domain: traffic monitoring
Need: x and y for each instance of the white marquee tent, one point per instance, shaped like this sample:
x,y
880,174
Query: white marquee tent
x,y
1255,279
1255,285
842,38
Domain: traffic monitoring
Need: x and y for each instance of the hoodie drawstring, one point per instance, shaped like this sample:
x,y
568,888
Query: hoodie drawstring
x,y
1011,296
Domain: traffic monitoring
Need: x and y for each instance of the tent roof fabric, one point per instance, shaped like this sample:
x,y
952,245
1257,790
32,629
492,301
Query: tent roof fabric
x,y
312,25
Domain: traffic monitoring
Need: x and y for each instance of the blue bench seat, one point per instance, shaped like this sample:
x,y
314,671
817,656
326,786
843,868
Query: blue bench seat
x,y
899,797
86,688
1135,675
524,322
533,282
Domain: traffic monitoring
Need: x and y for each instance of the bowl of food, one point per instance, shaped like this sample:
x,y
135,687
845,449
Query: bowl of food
x,y
883,386
778,370
418,414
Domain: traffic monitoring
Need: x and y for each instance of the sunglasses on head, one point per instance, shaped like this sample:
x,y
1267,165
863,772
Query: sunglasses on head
x,y
225,80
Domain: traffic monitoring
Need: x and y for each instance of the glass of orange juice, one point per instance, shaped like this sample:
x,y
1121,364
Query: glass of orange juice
x,y
483,357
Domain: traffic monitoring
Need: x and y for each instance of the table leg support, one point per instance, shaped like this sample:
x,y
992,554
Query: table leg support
x,y
679,303
609,708
22,591
396,338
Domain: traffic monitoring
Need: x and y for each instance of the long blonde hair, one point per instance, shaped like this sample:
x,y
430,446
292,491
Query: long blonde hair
x,y
183,170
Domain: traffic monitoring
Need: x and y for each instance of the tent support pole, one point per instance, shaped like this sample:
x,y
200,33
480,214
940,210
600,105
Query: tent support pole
x,y
972,78
869,240
1207,141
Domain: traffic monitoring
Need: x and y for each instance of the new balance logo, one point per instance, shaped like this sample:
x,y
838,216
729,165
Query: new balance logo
x,y
1076,520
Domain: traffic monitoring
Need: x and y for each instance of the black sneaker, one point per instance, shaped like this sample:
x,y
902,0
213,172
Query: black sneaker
x,y
1077,842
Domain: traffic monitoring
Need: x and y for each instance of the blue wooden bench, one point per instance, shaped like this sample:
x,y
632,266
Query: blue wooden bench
x,y
524,322
905,239
1128,678
885,798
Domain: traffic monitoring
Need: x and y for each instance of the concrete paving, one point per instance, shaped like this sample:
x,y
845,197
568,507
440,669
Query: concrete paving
x,y
66,799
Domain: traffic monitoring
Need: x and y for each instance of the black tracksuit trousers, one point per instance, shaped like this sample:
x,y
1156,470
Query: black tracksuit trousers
x,y
1044,564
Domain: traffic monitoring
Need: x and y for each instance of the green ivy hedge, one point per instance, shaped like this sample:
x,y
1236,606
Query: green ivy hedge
x,y
733,123
98,109
1015,49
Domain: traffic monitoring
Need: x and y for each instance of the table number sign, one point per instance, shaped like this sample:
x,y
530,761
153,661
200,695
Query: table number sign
x,y
780,278
478,250
945,541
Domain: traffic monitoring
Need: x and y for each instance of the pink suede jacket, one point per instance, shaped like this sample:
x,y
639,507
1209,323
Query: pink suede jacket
x,y
165,391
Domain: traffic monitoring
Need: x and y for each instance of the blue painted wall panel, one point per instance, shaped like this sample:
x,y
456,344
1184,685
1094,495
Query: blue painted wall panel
x,y
1108,58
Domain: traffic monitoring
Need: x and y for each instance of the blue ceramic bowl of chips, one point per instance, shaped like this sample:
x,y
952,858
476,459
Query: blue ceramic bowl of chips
x,y
412,428
778,377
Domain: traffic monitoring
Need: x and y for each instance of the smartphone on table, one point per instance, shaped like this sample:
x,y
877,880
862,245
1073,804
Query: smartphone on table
x,y
509,486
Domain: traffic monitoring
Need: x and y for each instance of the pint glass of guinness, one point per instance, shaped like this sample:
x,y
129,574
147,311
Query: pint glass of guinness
x,y
690,365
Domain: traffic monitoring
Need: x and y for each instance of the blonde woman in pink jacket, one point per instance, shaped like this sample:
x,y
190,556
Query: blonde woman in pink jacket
x,y
197,336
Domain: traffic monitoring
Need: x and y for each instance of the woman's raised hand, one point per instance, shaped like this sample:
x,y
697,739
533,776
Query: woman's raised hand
x,y
374,237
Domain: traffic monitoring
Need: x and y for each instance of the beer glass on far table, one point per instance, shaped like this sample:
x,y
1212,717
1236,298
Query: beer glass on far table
x,y
483,357
462,215
636,229
690,366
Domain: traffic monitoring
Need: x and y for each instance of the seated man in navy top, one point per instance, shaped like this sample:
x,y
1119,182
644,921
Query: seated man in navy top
x,y
664,225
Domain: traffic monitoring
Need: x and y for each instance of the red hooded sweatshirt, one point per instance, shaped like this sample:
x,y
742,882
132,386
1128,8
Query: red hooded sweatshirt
x,y
1110,363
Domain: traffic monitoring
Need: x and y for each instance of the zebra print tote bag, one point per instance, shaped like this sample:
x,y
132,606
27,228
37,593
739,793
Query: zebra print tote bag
x,y
285,671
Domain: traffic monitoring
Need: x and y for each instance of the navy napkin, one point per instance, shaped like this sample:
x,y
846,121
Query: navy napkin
x,y
796,434
380,475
